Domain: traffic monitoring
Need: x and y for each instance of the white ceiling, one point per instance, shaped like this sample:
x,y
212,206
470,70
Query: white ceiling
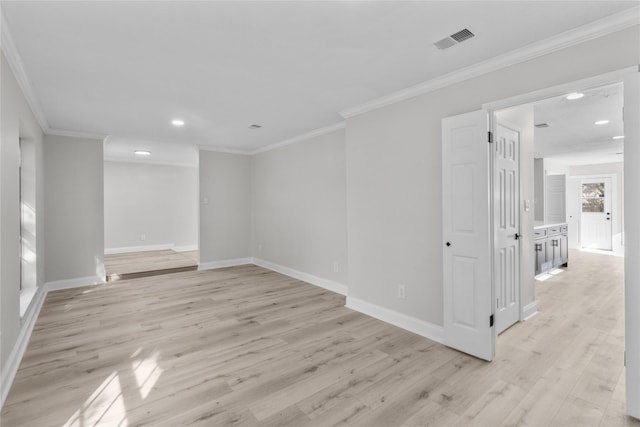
x,y
126,69
573,137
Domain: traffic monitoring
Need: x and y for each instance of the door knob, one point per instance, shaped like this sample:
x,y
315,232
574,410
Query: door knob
x,y
448,243
517,236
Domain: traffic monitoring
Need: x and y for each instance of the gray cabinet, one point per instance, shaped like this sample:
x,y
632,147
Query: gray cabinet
x,y
551,247
541,255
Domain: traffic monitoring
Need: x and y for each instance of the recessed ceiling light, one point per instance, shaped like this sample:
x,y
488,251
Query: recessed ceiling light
x,y
618,137
143,152
574,95
602,122
177,122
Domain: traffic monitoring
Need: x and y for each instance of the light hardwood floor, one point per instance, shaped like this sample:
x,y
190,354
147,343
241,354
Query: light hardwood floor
x,y
133,265
246,346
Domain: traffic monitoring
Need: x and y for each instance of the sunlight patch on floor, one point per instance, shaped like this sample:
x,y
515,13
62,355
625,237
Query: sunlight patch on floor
x,y
104,407
147,373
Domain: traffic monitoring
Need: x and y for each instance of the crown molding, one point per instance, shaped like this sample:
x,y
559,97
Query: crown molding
x,y
302,137
223,150
15,63
150,162
299,138
611,24
75,134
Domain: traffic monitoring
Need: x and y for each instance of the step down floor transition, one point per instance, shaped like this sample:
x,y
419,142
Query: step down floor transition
x,y
133,265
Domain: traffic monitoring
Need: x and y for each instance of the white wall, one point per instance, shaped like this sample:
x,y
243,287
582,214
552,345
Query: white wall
x,y
157,201
299,212
394,173
17,121
225,215
74,206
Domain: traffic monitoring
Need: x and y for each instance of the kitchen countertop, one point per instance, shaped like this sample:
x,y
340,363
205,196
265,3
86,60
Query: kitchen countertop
x,y
542,224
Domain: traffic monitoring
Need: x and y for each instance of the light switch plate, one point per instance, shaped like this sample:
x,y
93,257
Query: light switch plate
x,y
527,205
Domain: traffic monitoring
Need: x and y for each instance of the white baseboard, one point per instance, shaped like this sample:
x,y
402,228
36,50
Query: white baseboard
x,y
145,248
409,323
530,310
74,283
28,322
15,357
211,265
330,285
185,248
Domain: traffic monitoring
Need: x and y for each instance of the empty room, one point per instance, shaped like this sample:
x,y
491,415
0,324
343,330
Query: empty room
x,y
316,213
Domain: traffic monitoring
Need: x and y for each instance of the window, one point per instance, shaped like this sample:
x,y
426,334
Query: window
x,y
593,197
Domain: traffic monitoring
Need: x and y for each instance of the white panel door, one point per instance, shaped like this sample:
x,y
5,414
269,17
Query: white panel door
x,y
506,209
556,199
467,286
596,213
574,206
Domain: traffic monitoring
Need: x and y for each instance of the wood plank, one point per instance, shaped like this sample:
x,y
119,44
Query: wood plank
x,y
247,346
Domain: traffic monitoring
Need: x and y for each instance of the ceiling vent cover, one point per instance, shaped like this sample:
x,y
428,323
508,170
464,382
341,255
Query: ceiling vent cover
x,y
454,39
254,126
542,125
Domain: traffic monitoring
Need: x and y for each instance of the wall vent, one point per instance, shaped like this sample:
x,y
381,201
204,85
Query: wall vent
x,y
542,125
454,39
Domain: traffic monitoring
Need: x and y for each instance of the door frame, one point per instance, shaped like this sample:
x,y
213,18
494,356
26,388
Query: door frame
x,y
630,78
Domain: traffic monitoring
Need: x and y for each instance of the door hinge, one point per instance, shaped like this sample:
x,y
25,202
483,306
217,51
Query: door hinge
x,y
491,321
490,137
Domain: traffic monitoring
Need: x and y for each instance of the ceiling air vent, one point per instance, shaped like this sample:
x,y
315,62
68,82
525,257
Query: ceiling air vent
x,y
542,125
255,126
454,39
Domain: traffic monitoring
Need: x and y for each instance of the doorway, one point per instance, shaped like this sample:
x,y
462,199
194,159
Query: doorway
x,y
595,213
623,143
460,135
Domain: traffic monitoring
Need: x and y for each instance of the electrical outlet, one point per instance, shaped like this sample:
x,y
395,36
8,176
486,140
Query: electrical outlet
x,y
143,237
260,248
401,292
336,267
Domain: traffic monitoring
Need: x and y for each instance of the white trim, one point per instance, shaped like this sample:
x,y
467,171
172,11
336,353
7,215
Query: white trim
x,y
212,265
29,321
302,137
631,199
16,65
294,140
601,80
409,323
15,357
223,150
150,162
330,285
145,248
75,134
529,310
584,33
185,248
26,296
78,282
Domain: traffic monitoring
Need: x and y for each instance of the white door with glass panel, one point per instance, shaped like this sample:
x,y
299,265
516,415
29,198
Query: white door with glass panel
x,y
596,213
